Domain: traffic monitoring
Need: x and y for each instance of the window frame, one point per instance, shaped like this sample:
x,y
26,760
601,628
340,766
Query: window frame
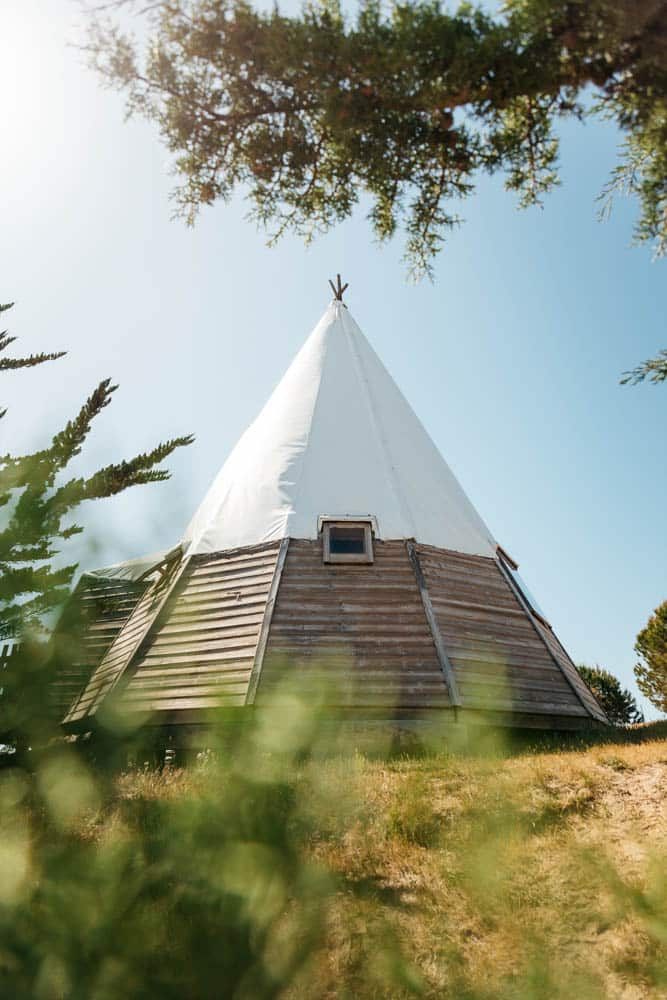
x,y
365,558
511,570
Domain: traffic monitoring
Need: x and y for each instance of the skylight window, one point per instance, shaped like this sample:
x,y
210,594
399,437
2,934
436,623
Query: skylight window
x,y
347,540
512,570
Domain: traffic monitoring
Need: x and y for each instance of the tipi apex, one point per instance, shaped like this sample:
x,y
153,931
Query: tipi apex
x,y
337,437
334,545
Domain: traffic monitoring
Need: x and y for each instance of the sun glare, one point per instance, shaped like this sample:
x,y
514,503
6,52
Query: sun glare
x,y
32,84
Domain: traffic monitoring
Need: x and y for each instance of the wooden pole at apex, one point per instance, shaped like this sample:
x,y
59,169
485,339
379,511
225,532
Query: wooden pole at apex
x,y
338,289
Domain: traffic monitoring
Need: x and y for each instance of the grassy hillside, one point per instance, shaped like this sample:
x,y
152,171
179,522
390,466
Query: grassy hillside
x,y
543,875
263,873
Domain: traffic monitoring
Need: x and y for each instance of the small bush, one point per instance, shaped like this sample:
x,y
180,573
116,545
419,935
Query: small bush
x,y
617,703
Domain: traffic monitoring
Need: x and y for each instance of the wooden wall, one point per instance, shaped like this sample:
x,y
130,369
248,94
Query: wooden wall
x,y
354,636
114,661
499,658
201,653
357,634
93,617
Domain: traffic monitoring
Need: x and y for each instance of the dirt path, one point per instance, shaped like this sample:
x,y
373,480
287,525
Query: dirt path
x,y
636,802
633,811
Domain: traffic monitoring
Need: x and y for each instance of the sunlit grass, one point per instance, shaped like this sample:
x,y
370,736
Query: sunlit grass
x,y
268,867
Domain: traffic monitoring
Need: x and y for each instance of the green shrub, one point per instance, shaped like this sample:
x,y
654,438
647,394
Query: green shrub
x,y
617,703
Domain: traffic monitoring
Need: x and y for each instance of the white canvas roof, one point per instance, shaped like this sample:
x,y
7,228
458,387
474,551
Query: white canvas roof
x,y
337,437
134,569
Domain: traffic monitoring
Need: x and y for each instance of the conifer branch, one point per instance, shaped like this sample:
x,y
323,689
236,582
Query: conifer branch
x,y
653,370
34,529
7,364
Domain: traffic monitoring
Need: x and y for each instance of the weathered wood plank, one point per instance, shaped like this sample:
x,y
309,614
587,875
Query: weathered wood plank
x,y
214,626
240,668
445,665
219,656
205,640
201,702
207,610
236,683
498,657
334,621
210,635
114,660
263,639
234,582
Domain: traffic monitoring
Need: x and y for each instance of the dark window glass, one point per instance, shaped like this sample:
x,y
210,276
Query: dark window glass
x,y
346,541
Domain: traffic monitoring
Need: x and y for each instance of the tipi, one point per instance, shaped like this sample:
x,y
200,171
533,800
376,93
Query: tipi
x,y
335,545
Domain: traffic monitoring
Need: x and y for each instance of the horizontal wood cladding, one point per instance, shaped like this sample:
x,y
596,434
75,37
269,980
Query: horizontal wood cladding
x,y
114,661
354,635
95,614
500,657
419,629
201,653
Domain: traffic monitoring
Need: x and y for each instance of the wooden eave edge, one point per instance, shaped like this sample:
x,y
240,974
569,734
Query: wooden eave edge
x,y
516,590
581,679
505,559
262,641
441,652
151,619
503,554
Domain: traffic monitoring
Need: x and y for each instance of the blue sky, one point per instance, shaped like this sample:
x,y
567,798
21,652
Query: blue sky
x,y
511,357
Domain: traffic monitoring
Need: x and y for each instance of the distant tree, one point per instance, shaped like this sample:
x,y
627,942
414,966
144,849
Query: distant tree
x,y
618,703
651,645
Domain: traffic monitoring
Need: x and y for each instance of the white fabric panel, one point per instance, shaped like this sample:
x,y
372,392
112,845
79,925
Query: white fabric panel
x,y
337,437
251,498
134,569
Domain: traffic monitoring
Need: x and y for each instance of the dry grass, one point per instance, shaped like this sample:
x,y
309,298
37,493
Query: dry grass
x,y
533,874
541,875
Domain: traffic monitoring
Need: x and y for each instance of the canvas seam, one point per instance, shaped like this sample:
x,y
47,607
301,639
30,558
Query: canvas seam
x,y
394,483
299,479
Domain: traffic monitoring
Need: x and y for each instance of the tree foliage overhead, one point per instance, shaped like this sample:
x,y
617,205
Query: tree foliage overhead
x,y
37,500
9,364
653,370
407,105
617,703
651,646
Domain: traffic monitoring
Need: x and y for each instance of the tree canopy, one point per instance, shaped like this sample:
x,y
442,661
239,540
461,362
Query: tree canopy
x,y
651,646
408,105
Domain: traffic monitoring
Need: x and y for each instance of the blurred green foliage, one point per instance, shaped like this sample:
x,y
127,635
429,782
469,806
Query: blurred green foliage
x,y
37,504
276,865
198,888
